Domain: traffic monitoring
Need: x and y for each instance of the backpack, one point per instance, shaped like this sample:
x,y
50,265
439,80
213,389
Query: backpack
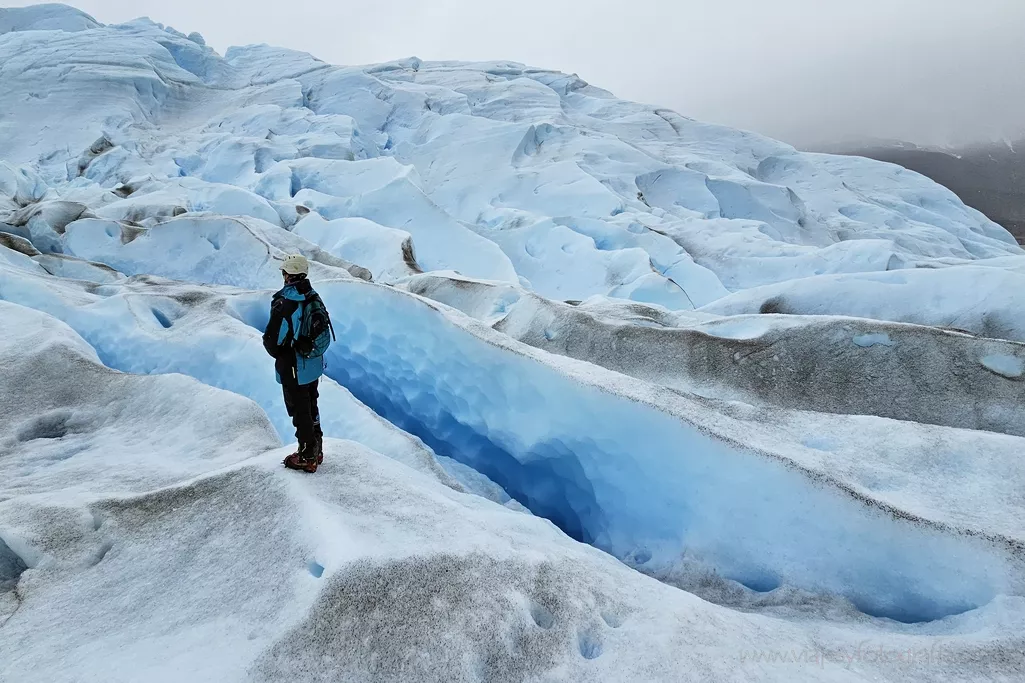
x,y
315,330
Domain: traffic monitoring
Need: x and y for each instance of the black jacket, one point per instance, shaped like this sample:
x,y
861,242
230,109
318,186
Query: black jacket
x,y
280,334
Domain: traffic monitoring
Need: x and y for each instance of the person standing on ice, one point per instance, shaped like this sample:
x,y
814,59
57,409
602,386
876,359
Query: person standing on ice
x,y
298,334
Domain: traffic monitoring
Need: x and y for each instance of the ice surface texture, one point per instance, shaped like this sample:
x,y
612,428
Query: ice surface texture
x,y
632,480
823,363
496,170
789,383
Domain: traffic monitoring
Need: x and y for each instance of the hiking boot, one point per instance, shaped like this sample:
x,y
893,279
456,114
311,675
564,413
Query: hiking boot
x,y
318,446
305,461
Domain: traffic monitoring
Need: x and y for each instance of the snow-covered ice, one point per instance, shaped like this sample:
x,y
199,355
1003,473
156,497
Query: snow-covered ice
x,y
822,363
617,395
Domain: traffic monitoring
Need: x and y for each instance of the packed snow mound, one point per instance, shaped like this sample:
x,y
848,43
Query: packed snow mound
x,y
790,384
64,411
981,299
53,17
386,252
243,252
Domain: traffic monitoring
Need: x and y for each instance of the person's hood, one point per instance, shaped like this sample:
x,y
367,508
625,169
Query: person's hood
x,y
296,291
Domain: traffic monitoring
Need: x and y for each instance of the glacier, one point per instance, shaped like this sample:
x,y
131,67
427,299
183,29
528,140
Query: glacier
x,y
617,395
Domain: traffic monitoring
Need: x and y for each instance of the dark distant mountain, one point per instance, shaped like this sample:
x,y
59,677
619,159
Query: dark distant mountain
x,y
990,178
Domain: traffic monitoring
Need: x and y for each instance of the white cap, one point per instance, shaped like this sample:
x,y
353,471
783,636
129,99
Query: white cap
x,y
296,264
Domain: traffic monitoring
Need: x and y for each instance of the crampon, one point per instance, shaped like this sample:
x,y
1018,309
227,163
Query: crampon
x,y
305,463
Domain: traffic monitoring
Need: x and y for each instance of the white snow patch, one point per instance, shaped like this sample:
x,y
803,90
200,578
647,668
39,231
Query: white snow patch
x,y
873,339
1011,367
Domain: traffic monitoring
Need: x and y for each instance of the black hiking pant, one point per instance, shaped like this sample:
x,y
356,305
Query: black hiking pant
x,y
301,404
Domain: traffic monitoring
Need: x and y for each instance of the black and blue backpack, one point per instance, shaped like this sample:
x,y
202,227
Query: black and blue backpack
x,y
315,330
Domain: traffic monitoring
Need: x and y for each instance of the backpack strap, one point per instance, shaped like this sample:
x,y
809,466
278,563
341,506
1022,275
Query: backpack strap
x,y
290,339
279,306
313,296
307,298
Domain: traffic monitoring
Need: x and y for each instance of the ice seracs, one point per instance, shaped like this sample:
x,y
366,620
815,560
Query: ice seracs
x,y
551,180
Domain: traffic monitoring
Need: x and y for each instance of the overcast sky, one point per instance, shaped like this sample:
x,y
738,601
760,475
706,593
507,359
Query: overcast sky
x,y
929,71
